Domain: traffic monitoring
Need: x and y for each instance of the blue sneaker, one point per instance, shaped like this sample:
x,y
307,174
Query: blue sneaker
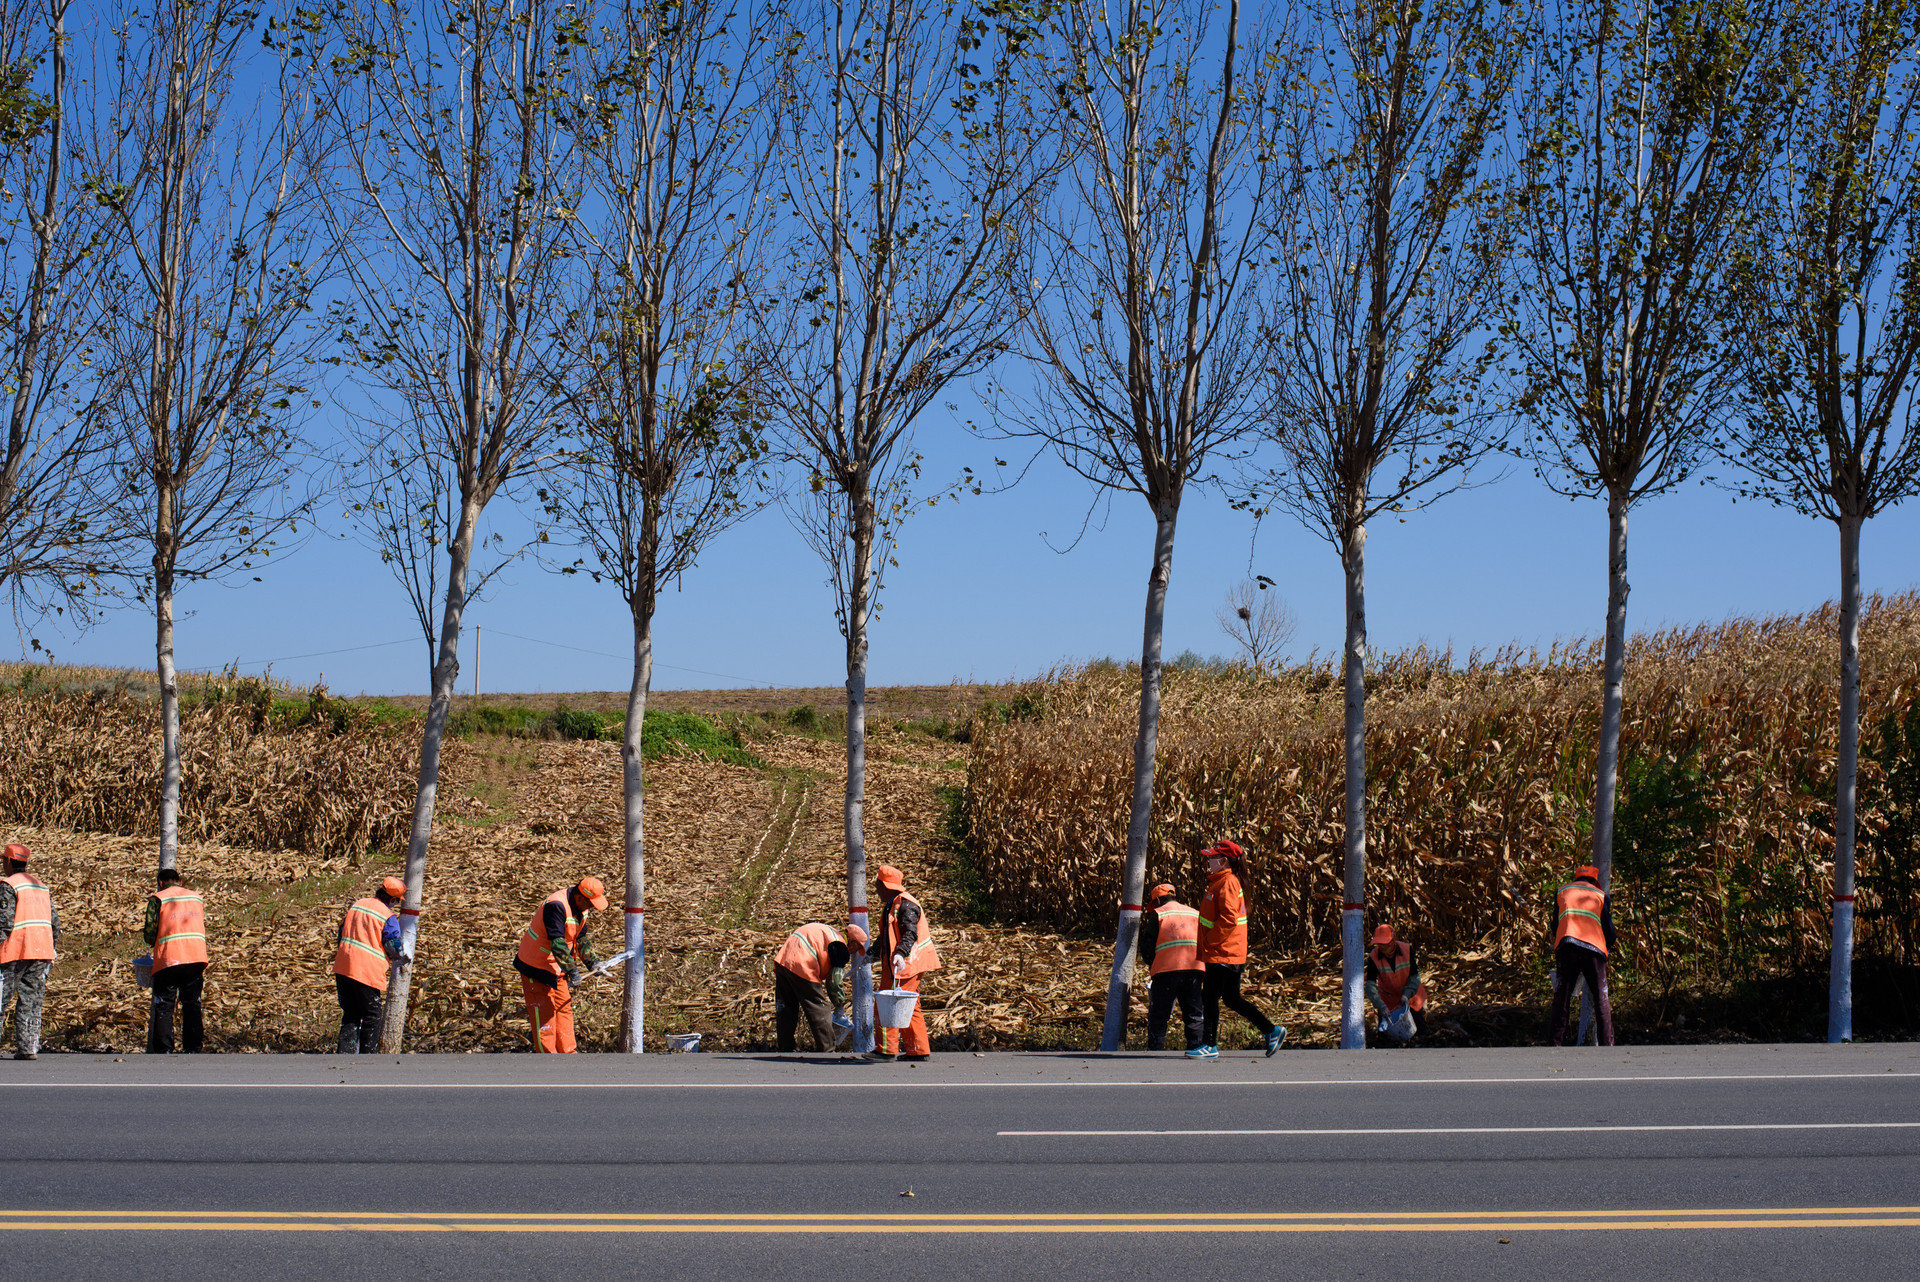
x,y
1277,1038
1203,1052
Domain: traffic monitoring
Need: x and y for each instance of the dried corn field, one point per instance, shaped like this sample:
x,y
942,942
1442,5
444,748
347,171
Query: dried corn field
x,y
1479,780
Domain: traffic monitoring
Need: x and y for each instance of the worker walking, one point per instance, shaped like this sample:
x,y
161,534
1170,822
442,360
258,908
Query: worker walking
x,y
905,945
1393,979
29,930
176,931
1223,947
1170,942
554,951
1583,935
369,943
809,977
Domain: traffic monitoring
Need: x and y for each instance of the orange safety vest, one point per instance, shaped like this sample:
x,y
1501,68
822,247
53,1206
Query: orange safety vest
x,y
1178,945
805,952
535,951
1577,915
1395,968
922,957
1223,920
361,956
182,937
32,937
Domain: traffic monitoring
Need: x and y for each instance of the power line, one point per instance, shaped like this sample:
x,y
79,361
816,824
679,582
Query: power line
x,y
725,676
321,654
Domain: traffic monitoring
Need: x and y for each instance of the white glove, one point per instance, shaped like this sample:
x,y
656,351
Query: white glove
x,y
899,963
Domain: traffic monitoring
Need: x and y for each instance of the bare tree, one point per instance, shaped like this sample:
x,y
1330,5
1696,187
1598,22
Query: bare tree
x,y
217,258
1259,622
452,122
907,171
1138,301
1648,126
1388,244
668,442
1830,324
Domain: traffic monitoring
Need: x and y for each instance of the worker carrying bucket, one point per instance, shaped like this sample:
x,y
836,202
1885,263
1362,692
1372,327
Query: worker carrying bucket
x,y
905,947
554,951
1395,987
810,977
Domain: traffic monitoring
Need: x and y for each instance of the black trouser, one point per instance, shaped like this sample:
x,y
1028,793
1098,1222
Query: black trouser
x,y
1572,963
1223,985
793,995
179,985
1168,987
359,1016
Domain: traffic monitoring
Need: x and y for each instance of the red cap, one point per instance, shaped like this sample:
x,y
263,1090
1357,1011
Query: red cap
x,y
1382,935
394,887
17,852
1164,888
891,877
1225,850
594,891
857,936
1587,872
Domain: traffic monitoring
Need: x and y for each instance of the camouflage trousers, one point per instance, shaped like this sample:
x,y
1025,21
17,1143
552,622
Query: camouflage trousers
x,y
24,983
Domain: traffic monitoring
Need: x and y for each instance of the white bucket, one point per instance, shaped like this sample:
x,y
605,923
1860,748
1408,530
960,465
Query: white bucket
x,y
1398,1026
143,971
842,1026
896,1006
683,1041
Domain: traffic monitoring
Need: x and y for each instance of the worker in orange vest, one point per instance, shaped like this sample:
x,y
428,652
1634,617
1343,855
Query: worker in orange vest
x,y
905,946
29,930
1223,947
1170,943
554,950
810,975
368,944
176,930
1393,979
1583,935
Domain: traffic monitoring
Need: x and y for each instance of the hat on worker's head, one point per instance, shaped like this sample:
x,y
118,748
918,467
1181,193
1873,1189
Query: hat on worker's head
x,y
1382,935
892,878
1224,850
1164,888
394,887
857,937
594,891
18,853
1587,872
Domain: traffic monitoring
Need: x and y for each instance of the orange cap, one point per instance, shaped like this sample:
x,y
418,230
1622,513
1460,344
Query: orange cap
x,y
395,887
594,891
857,936
1164,888
891,877
1382,935
17,852
1587,872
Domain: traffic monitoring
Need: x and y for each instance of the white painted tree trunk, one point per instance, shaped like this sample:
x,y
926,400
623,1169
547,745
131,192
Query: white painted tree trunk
x,y
1145,745
446,670
1353,913
860,584
633,1011
1607,773
169,722
1840,977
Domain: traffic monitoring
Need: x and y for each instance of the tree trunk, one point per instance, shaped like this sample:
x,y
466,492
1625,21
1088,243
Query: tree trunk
x,y
1145,745
445,672
860,583
1353,911
169,721
1840,979
1608,772
633,1012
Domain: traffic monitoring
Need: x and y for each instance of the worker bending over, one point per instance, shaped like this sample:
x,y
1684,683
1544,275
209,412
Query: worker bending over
x,y
369,943
176,931
810,976
1394,979
1170,942
1583,935
905,944
29,929
554,951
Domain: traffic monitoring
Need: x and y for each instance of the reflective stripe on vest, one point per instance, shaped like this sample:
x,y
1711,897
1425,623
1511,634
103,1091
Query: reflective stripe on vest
x,y
922,957
361,957
32,937
1223,938
1577,907
1393,979
1178,945
805,951
536,950
182,937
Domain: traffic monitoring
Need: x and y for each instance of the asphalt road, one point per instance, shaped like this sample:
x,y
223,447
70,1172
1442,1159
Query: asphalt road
x,y
1739,1161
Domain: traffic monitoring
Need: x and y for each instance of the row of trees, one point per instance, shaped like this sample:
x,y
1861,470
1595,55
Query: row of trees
x,y
651,263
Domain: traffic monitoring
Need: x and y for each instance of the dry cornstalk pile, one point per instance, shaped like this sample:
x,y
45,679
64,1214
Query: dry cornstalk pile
x,y
1479,778
91,761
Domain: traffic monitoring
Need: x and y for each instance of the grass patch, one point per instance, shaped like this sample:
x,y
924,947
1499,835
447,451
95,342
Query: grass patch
x,y
247,905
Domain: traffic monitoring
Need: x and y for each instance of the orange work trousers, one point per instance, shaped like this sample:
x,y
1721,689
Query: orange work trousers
x,y
911,1040
550,1010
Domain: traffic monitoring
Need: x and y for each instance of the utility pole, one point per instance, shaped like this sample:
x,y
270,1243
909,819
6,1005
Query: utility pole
x,y
476,663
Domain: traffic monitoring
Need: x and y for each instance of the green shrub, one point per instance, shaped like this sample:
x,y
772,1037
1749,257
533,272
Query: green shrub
x,y
683,734
804,718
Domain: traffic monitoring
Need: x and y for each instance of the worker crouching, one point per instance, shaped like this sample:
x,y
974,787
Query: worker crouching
x,y
554,951
1170,941
176,931
810,977
368,945
905,945
29,930
1394,982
